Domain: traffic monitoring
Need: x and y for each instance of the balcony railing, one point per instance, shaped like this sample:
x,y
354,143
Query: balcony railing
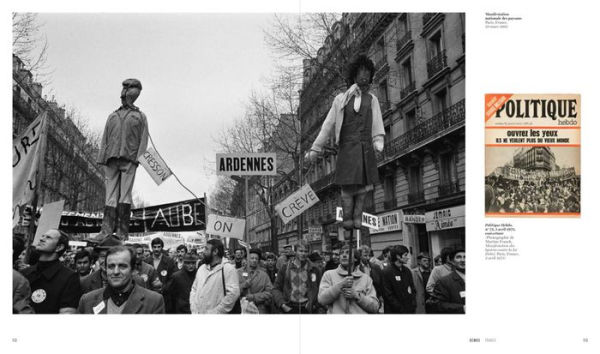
x,y
384,105
323,182
408,89
448,188
402,41
390,204
381,63
428,16
416,197
436,64
450,118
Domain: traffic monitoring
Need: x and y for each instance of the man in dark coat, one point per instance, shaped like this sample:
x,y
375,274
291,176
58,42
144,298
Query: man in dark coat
x,y
178,291
121,295
449,293
398,286
55,289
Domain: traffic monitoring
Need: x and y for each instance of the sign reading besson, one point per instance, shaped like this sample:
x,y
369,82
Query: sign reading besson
x,y
247,164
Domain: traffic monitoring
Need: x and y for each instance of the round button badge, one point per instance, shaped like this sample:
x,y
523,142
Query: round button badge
x,y
38,296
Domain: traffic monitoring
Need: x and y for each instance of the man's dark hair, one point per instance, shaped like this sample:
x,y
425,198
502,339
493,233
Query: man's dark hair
x,y
82,254
360,61
118,249
182,247
270,256
135,246
256,251
62,240
458,250
397,251
240,249
217,245
18,246
445,254
157,241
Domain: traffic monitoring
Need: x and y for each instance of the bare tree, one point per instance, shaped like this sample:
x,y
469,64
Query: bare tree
x,y
31,45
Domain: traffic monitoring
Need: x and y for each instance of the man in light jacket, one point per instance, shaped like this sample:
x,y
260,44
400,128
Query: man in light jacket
x,y
216,288
343,294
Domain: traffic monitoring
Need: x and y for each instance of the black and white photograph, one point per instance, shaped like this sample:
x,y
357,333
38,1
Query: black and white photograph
x,y
534,181
157,169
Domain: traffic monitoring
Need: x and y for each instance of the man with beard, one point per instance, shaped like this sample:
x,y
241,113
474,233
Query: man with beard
x,y
54,287
216,288
180,287
420,278
255,284
121,295
270,267
449,292
345,294
180,252
239,257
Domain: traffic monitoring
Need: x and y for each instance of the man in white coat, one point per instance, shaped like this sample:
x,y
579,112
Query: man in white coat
x,y
216,288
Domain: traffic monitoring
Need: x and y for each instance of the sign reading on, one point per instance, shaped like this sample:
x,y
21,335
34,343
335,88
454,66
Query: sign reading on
x,y
155,166
296,204
225,226
368,220
389,222
448,218
414,219
247,164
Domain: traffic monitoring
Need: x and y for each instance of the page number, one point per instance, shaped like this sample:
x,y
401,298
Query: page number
x,y
585,340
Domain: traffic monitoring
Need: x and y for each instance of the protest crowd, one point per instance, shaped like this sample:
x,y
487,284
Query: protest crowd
x,y
549,195
116,278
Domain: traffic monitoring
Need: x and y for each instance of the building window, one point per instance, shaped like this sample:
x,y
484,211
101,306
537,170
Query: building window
x,y
435,45
447,168
383,96
440,101
411,119
389,191
415,184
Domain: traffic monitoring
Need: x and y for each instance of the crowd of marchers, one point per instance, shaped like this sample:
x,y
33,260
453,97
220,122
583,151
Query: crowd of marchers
x,y
117,278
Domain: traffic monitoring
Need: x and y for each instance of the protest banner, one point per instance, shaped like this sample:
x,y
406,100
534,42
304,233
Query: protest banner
x,y
27,157
296,204
368,220
186,215
155,166
247,164
50,219
225,226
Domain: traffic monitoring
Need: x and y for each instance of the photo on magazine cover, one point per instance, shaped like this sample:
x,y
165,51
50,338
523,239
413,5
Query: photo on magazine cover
x,y
283,164
532,155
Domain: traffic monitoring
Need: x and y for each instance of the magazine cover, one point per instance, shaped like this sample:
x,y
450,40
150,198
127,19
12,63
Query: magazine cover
x,y
532,155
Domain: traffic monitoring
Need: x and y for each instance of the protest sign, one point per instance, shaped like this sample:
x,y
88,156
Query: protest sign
x,y
296,204
27,151
187,215
50,218
225,226
368,220
155,166
247,164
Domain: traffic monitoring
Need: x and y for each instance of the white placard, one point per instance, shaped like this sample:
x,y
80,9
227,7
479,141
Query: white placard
x,y
447,218
414,219
50,219
368,220
247,164
155,166
296,203
225,226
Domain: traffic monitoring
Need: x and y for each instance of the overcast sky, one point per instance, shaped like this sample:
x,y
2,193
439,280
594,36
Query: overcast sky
x,y
197,71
